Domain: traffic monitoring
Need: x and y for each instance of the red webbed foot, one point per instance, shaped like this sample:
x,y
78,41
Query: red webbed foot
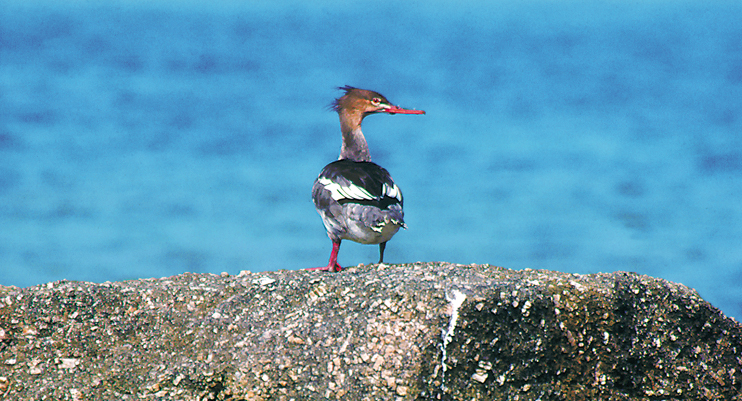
x,y
329,268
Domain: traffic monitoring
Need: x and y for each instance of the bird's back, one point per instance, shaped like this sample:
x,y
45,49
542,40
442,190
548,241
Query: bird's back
x,y
358,200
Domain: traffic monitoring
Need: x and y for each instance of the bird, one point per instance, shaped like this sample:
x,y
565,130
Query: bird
x,y
356,198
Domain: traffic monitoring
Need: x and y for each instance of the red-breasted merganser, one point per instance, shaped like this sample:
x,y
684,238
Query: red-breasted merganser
x,y
357,199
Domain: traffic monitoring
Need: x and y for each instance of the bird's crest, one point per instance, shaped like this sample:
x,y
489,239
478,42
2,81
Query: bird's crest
x,y
335,105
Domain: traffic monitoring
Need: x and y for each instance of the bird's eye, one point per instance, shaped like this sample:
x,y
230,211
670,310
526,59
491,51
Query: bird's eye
x,y
375,101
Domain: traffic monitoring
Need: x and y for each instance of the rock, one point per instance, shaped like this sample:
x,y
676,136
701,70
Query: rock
x,y
423,331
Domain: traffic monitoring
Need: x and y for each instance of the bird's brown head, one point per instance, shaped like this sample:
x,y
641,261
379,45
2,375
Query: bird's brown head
x,y
365,102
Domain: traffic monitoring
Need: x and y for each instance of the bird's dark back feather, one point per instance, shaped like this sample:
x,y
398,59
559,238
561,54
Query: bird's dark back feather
x,y
367,175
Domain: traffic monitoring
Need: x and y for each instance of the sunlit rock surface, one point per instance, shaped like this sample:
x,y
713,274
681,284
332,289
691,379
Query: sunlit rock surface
x,y
422,331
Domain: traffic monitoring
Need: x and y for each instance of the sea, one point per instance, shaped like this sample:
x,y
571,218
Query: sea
x,y
151,138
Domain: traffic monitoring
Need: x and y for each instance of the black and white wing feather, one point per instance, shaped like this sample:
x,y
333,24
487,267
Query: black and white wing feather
x,y
365,183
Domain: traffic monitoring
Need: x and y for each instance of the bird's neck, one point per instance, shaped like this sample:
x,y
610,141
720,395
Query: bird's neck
x,y
354,143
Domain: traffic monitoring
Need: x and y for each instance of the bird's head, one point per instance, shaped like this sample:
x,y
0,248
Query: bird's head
x,y
366,102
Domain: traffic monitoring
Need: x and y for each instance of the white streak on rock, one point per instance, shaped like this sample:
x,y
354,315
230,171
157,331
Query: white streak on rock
x,y
456,298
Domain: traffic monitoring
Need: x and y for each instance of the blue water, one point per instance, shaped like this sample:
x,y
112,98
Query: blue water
x,y
147,140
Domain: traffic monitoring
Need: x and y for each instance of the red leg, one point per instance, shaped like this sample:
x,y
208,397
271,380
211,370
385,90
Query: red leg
x,y
332,265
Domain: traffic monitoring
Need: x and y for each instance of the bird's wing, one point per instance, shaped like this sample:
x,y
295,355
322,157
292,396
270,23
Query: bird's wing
x,y
358,182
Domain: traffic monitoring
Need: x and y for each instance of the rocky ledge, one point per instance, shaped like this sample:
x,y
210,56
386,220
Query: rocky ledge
x,y
423,331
